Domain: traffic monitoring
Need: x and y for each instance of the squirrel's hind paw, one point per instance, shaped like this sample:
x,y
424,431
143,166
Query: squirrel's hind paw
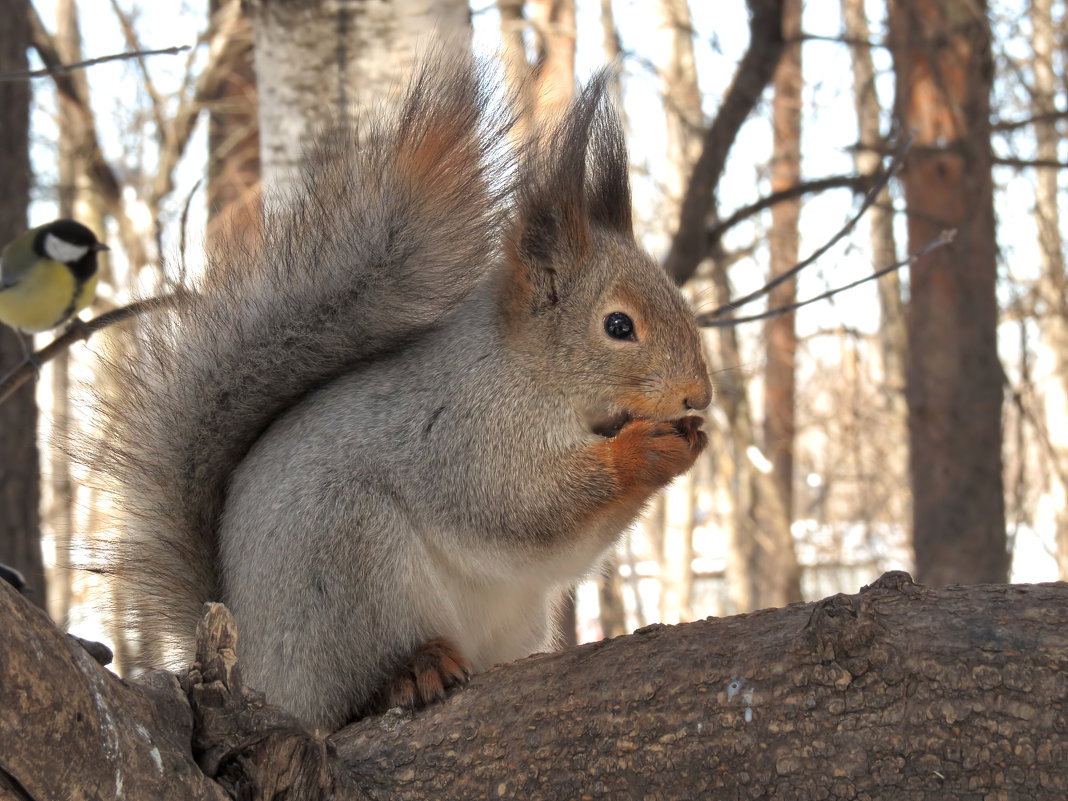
x,y
426,676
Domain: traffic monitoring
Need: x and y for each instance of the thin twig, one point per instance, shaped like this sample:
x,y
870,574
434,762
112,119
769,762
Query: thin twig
x,y
63,69
710,319
184,221
854,181
78,330
869,200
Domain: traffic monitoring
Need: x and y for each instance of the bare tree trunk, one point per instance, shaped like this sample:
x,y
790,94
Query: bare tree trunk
x,y
613,49
233,135
315,59
943,65
71,168
759,521
554,24
762,567
1053,287
610,584
898,692
548,84
513,46
779,333
892,331
682,99
20,527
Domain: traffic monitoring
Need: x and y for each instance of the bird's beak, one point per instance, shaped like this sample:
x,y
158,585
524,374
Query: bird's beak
x,y
100,246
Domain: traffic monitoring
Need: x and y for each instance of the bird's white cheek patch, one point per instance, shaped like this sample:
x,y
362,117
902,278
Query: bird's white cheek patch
x,y
59,250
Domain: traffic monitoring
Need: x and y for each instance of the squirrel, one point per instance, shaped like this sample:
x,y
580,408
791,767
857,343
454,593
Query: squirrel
x,y
391,431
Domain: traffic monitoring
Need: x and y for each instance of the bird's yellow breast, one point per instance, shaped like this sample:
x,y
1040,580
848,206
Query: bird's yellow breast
x,y
44,297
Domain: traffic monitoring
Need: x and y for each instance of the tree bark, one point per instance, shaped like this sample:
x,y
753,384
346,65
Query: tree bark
x,y
943,65
899,691
317,59
682,100
554,25
20,526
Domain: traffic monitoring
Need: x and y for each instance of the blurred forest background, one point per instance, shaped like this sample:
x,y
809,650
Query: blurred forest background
x,y
915,422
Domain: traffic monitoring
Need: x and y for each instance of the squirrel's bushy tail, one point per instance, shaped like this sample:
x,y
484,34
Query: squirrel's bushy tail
x,y
395,217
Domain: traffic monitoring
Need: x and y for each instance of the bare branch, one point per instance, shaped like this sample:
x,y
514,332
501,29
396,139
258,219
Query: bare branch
x,y
101,175
869,200
1037,119
711,320
78,331
754,72
1024,164
158,103
54,69
855,182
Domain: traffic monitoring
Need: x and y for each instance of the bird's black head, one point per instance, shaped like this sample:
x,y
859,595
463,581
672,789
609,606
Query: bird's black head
x,y
71,243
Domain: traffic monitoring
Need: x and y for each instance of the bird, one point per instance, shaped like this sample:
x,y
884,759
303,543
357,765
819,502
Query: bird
x,y
48,275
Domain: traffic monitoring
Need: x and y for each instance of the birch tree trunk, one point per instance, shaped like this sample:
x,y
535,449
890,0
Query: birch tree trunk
x,y
943,64
316,60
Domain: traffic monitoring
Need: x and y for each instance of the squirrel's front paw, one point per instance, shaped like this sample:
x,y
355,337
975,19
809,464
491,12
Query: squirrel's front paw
x,y
650,454
432,669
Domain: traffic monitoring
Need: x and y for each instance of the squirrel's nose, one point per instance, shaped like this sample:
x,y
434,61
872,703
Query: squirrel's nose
x,y
698,397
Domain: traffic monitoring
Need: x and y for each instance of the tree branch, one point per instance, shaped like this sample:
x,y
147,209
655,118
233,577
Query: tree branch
x,y
97,168
77,331
899,691
755,71
713,320
869,200
64,69
858,183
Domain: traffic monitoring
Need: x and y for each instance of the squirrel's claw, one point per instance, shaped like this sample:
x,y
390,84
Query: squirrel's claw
x,y
426,676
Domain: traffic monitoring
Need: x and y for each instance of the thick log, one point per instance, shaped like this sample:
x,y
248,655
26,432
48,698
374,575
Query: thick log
x,y
70,729
897,692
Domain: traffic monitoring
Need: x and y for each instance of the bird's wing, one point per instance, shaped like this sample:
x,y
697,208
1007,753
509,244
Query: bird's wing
x,y
8,277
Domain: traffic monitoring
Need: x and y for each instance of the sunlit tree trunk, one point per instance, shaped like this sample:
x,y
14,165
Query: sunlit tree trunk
x,y
317,59
60,514
610,585
20,530
944,70
233,135
780,335
684,119
1054,321
892,332
546,85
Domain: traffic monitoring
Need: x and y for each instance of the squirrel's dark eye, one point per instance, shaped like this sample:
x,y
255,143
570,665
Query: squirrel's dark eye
x,y
619,326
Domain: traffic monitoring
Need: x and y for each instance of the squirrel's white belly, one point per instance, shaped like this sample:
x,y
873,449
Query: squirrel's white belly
x,y
499,608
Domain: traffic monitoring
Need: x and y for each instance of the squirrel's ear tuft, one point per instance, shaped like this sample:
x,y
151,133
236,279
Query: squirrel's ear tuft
x,y
571,176
607,167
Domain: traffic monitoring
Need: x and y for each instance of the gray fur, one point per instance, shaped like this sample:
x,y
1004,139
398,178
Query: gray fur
x,y
363,434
